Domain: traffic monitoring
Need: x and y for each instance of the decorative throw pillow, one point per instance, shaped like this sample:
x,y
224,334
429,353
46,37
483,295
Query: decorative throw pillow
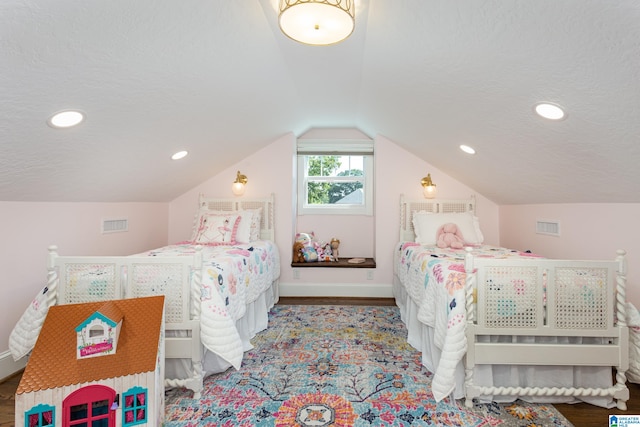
x,y
217,229
426,226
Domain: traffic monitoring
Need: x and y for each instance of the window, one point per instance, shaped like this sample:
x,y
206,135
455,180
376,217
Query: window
x,y
40,416
335,179
96,331
134,410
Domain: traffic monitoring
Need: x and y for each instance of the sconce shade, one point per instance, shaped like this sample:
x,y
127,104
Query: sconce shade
x,y
429,189
238,185
317,22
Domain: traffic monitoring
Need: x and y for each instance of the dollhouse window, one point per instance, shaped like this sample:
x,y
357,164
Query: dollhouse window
x,y
96,331
134,410
39,416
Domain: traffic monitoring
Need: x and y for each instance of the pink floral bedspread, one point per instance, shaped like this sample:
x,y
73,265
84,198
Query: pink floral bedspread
x,y
434,278
238,274
232,278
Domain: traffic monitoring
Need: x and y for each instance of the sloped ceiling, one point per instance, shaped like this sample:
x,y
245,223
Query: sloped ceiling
x,y
217,78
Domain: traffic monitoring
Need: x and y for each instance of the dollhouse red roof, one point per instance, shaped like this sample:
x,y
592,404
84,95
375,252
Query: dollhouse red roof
x,y
53,362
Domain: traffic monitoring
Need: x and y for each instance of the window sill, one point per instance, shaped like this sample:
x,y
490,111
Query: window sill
x,y
342,263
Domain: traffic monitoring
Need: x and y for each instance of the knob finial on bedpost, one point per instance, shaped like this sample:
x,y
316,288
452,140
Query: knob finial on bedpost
x,y
53,252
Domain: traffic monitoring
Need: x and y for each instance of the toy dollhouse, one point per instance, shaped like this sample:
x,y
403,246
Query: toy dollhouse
x,y
96,364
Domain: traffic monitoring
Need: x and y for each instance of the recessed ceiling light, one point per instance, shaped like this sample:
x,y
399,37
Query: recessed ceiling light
x,y
550,111
467,149
179,155
65,119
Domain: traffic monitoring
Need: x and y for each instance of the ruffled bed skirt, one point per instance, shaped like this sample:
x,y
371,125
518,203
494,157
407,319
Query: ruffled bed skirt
x,y
255,320
421,337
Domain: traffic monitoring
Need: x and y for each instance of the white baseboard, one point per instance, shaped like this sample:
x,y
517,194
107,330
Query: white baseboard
x,y
8,367
356,290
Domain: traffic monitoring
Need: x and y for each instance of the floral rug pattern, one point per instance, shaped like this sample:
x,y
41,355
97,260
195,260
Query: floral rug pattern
x,y
337,366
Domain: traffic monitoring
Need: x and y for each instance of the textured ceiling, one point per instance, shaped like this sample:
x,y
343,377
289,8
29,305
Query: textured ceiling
x,y
218,79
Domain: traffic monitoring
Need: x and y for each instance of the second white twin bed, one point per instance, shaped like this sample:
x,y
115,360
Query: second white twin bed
x,y
498,324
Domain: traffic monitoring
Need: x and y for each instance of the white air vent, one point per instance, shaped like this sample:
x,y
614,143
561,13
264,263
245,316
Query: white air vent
x,y
115,225
551,228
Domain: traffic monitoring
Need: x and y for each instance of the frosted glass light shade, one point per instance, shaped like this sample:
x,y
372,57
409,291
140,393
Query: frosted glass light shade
x,y
429,191
317,22
237,188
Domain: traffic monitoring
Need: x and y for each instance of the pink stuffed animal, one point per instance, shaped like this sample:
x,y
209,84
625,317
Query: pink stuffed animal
x,y
449,236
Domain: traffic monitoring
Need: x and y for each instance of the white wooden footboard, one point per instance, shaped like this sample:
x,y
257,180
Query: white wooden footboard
x,y
83,279
583,301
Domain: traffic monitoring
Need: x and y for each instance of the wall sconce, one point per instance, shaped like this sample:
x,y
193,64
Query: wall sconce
x,y
238,185
428,187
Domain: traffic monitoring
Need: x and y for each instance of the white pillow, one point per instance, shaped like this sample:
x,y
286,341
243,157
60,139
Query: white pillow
x,y
255,224
244,227
218,229
426,224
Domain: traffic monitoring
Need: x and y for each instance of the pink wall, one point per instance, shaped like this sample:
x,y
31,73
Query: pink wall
x,y
399,172
587,231
355,232
269,170
272,170
28,229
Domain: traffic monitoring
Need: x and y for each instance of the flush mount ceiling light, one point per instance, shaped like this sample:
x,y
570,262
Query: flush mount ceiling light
x,y
317,22
549,111
65,119
179,155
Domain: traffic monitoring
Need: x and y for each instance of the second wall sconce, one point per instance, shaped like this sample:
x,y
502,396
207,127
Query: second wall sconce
x,y
238,185
429,189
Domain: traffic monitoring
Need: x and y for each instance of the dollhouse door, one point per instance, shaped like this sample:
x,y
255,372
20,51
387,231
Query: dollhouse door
x,y
89,406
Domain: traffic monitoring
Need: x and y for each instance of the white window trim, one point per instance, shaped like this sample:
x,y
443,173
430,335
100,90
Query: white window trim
x,y
339,209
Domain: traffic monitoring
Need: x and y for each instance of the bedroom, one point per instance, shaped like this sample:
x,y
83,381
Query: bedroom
x,y
41,210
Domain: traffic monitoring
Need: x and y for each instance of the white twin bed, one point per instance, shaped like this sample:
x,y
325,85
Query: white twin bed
x,y
499,324
219,287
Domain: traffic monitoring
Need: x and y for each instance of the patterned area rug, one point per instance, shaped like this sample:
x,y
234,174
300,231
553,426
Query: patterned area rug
x,y
337,366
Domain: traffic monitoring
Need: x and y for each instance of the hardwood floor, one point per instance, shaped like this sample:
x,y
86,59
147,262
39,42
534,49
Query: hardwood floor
x,y
8,388
581,414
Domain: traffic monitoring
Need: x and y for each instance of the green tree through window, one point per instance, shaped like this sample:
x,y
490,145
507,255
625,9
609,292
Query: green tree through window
x,y
322,185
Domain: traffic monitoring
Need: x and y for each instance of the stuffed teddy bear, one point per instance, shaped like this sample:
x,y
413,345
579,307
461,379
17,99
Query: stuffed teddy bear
x,y
449,236
298,248
335,244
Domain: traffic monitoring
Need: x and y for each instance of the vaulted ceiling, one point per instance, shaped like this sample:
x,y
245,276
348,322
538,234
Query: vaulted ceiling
x,y
217,78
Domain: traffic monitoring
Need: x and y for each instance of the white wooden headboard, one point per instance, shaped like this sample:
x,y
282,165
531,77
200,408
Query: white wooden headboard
x,y
407,207
267,224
